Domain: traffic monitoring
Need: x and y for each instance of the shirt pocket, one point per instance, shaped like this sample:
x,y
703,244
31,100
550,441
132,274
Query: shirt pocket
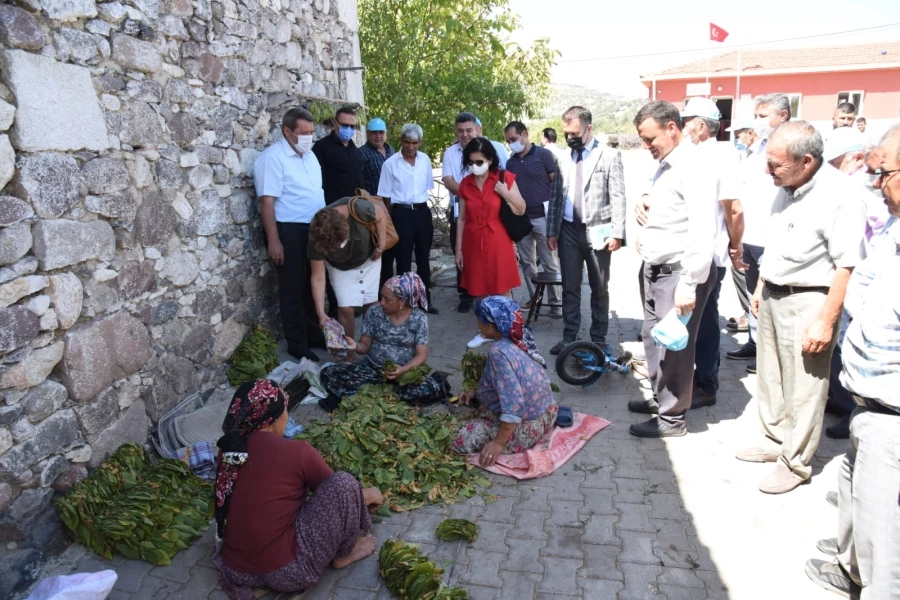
x,y
800,246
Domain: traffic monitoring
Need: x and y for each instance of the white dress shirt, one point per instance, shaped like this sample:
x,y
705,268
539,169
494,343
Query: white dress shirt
x,y
757,193
569,206
682,220
404,183
295,182
723,161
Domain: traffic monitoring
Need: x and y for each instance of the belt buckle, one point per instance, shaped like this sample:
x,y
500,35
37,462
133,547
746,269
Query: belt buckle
x,y
665,269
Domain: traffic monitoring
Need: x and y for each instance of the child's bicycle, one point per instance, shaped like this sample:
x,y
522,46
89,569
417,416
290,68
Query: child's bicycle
x,y
583,362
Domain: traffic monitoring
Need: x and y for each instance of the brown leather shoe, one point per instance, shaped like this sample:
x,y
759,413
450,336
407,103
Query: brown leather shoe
x,y
783,480
757,455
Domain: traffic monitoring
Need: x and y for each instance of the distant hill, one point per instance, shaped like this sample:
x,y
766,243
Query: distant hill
x,y
612,114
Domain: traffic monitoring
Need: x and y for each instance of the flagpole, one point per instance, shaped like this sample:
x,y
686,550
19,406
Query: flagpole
x,y
737,91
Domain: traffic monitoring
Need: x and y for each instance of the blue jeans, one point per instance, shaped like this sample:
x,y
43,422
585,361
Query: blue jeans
x,y
706,376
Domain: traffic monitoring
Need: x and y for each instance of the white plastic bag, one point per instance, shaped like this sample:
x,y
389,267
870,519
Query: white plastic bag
x,y
80,586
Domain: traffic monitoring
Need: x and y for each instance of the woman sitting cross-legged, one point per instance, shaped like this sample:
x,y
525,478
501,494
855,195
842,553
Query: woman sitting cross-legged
x,y
517,406
271,534
395,330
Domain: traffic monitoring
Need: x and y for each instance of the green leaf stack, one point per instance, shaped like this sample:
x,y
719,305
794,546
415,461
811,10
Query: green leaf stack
x,y
255,356
138,509
452,530
411,576
414,376
472,369
389,444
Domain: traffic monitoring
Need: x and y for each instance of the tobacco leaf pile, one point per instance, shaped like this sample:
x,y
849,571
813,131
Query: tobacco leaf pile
x,y
138,509
391,445
411,576
453,530
254,358
472,369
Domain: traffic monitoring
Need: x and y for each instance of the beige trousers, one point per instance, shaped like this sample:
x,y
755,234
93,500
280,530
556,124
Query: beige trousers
x,y
792,385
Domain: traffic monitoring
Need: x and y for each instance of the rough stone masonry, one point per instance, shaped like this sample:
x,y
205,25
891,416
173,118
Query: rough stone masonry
x,y
131,258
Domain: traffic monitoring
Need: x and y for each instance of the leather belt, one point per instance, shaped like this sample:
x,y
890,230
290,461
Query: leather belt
x,y
874,405
787,290
668,269
413,206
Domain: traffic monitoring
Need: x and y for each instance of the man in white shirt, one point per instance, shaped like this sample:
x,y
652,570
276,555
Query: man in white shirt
x,y
814,239
677,245
700,124
406,179
288,183
452,173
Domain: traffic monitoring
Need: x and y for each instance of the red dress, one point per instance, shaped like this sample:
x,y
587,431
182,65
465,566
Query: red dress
x,y
489,254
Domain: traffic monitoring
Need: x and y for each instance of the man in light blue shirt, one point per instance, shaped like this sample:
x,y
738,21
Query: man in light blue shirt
x,y
288,182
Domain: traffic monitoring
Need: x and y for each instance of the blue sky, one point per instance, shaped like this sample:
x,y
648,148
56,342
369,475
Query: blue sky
x,y
582,29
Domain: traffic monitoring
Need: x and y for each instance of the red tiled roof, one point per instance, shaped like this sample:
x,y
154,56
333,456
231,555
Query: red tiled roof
x,y
793,59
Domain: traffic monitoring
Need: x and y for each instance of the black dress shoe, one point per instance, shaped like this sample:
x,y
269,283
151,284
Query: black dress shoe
x,y
840,430
432,310
751,366
702,399
644,407
558,347
464,306
745,352
657,428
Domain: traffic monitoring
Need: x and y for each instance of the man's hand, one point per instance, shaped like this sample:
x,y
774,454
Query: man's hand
x,y
552,243
737,259
459,260
612,244
276,252
466,397
490,453
642,210
684,305
817,337
755,300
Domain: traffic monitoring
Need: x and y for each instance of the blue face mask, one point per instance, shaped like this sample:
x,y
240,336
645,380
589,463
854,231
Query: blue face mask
x,y
671,332
345,134
740,145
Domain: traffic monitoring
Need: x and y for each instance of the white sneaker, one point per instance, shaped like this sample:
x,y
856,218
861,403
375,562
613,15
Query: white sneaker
x,y
478,340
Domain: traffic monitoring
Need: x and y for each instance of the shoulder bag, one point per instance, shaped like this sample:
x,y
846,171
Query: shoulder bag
x,y
517,226
391,237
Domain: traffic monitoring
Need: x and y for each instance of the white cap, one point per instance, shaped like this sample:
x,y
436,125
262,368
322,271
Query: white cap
x,y
740,124
843,140
701,107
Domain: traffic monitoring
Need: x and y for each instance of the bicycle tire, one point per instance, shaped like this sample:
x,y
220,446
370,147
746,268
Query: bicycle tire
x,y
587,377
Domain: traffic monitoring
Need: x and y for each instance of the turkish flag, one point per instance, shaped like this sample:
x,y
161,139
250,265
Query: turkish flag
x,y
716,33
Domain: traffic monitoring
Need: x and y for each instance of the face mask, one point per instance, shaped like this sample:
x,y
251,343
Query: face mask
x,y
345,134
476,170
762,128
671,332
517,146
304,143
688,133
741,146
575,142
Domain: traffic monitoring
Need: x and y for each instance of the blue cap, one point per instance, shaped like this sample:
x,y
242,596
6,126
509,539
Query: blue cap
x,y
376,125
478,121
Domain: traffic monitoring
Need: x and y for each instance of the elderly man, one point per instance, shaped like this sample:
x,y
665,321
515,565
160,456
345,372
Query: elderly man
x,y
757,194
452,173
406,179
744,136
868,543
700,124
375,151
677,244
814,240
288,184
342,162
844,115
536,171
593,197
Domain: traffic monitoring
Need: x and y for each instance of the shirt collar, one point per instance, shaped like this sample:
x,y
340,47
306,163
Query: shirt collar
x,y
287,148
809,185
677,154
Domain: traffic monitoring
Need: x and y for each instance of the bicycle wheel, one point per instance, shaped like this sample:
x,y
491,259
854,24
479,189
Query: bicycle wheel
x,y
573,360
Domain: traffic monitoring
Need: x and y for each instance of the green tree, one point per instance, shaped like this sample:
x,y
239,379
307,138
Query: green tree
x,y
427,60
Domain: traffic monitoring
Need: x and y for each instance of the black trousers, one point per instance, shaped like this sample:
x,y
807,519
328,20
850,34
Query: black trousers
x,y
298,312
415,232
463,294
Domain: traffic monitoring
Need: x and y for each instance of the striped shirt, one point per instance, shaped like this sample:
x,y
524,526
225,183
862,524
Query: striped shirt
x,y
374,162
871,348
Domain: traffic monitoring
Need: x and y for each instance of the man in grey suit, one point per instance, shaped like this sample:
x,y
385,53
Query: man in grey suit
x,y
593,196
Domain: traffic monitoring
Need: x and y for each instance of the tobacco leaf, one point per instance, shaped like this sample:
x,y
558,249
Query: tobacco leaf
x,y
411,576
451,530
472,369
255,356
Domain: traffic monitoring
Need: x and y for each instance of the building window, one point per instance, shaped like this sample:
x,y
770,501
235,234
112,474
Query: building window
x,y
856,98
795,105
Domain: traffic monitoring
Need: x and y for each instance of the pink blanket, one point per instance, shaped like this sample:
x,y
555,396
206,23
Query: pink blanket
x,y
550,453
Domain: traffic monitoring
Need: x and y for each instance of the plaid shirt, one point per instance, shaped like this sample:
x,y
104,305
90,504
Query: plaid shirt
x,y
374,162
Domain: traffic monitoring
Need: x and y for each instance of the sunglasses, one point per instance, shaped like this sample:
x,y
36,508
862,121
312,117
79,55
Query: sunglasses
x,y
477,163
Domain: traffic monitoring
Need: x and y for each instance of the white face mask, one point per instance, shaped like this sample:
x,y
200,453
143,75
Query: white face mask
x,y
304,143
762,128
476,170
517,146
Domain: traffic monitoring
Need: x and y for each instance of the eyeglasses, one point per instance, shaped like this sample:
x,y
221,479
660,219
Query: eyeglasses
x,y
882,173
477,163
349,125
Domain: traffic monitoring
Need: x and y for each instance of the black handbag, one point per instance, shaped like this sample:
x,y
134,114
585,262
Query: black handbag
x,y
517,226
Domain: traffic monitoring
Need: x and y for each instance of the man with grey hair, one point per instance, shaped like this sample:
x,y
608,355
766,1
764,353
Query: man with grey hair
x,y
406,179
814,239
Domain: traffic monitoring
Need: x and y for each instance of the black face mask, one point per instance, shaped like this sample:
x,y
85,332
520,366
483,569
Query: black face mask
x,y
576,142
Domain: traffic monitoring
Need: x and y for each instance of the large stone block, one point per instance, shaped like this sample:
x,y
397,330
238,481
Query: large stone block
x,y
49,181
103,351
15,242
7,161
18,29
210,215
19,569
76,46
7,115
69,10
181,268
155,221
43,400
122,205
135,54
228,339
96,415
17,289
135,279
18,326
169,175
242,205
140,125
133,426
67,295
60,243
51,435
105,175
13,210
41,85
33,369
184,128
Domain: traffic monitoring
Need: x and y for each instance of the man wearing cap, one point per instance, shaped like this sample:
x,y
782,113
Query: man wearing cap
x,y
700,124
376,151
744,136
814,239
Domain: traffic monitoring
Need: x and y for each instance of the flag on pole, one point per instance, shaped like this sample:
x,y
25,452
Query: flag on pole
x,y
716,33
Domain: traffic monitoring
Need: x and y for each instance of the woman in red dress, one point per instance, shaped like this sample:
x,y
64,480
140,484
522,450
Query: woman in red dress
x,y
485,254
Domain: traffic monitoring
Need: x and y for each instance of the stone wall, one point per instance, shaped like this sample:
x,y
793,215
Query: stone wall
x,y
131,259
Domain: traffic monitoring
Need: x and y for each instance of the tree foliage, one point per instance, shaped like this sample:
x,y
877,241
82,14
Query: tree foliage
x,y
427,60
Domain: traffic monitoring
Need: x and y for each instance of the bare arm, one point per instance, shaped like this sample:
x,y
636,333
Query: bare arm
x,y
511,196
818,334
364,344
734,222
317,284
267,212
460,226
451,184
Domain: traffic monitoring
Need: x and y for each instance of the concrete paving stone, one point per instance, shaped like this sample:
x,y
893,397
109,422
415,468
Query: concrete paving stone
x,y
666,528
130,573
600,563
702,555
666,506
500,510
682,593
483,568
600,589
640,581
534,497
676,553
217,594
657,459
362,575
529,525
638,548
664,481
523,557
564,513
633,517
599,474
631,469
518,586
600,529
477,592
563,542
631,491
422,528
503,486
346,593
385,531
491,537
91,563
565,488
559,576
681,578
714,586
597,501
